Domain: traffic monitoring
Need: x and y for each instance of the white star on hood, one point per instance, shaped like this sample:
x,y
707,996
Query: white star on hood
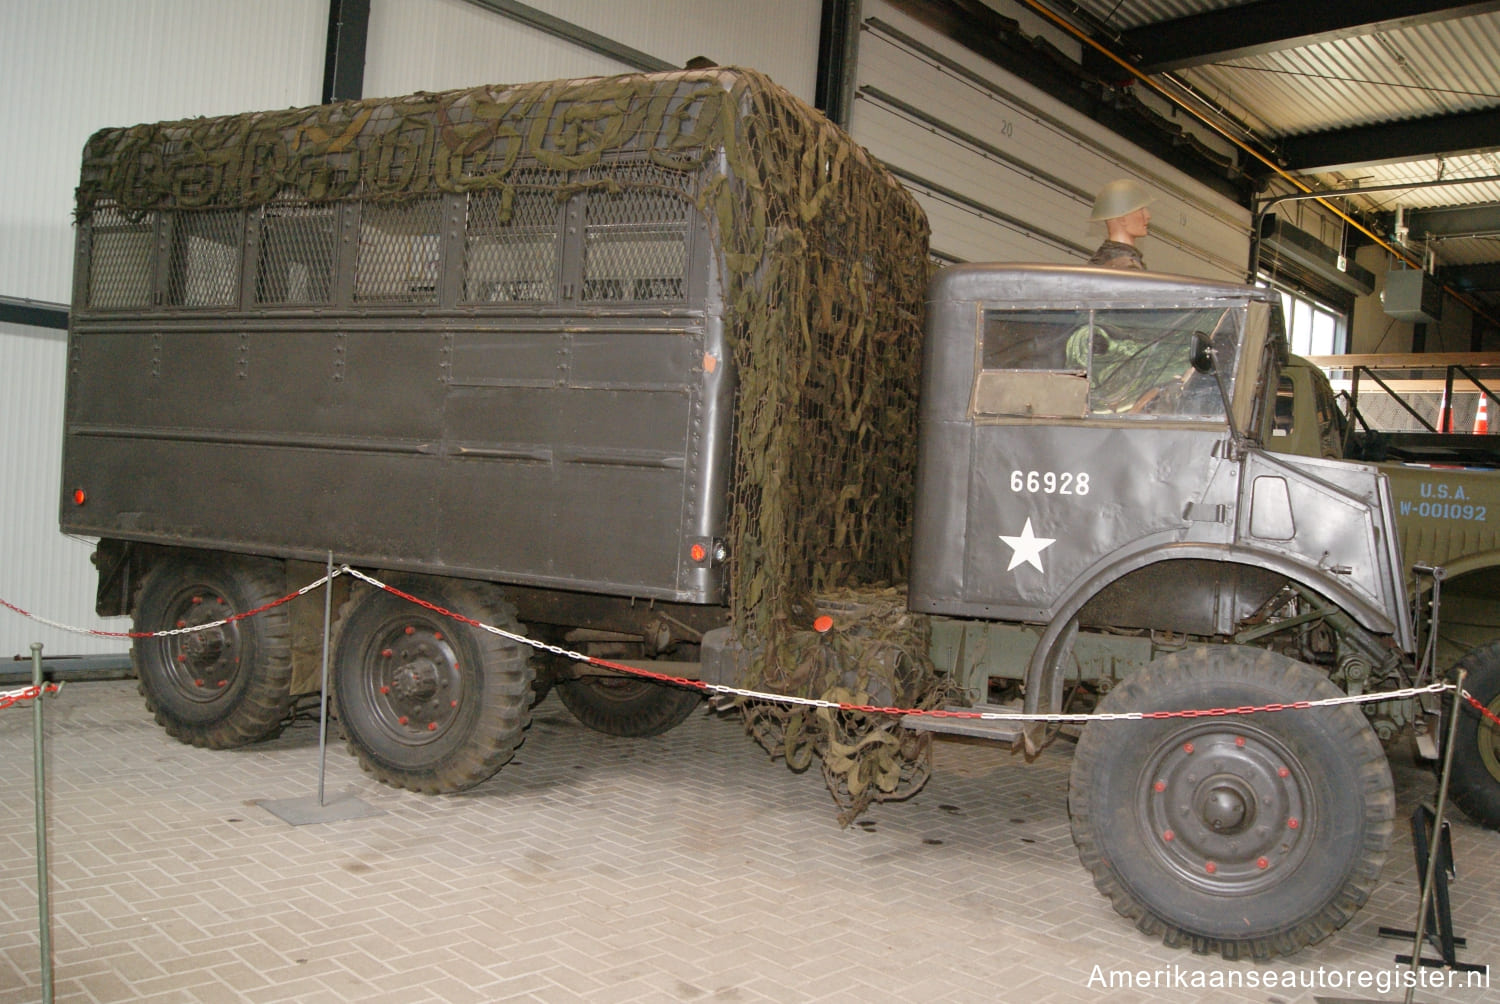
x,y
1028,548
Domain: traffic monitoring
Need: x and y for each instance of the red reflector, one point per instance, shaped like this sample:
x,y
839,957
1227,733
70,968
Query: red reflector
x,y
698,552
79,498
823,624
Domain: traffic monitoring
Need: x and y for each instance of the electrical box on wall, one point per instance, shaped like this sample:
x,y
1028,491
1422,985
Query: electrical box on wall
x,y
1412,295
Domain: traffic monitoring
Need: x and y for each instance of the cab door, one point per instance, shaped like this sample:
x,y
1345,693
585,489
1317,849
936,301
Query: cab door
x,y
1088,432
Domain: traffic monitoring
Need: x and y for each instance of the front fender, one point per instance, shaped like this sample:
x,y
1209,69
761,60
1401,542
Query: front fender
x,y
1045,671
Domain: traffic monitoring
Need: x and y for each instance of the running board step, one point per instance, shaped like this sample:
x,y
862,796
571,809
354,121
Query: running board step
x,y
1000,731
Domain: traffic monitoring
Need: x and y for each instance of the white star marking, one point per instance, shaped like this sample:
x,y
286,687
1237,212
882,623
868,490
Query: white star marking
x,y
1028,548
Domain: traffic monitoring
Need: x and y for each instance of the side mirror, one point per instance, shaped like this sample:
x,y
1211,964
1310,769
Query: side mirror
x,y
1203,353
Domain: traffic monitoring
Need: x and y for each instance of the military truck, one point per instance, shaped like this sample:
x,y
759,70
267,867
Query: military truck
x,y
640,363
1447,515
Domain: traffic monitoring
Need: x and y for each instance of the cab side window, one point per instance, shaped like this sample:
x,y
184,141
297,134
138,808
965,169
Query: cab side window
x,y
1024,368
1132,363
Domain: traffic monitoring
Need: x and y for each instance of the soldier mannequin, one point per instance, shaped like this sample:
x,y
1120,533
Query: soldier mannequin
x,y
1122,206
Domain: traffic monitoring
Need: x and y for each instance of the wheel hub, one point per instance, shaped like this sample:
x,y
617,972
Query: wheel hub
x,y
1226,809
1226,805
204,648
202,664
416,681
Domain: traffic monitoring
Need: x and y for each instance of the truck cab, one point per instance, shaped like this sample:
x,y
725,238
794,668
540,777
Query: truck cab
x,y
1099,525
1090,457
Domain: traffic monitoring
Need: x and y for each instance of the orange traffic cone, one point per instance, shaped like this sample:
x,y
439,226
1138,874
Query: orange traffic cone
x,y
1482,416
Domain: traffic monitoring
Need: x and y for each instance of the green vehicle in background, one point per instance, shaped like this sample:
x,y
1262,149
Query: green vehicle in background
x,y
1448,517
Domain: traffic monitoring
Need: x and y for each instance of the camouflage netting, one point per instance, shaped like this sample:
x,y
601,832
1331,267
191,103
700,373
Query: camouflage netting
x,y
825,264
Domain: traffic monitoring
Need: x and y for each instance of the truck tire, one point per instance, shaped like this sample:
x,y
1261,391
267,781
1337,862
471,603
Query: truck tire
x,y
622,706
429,702
1247,835
1475,782
225,686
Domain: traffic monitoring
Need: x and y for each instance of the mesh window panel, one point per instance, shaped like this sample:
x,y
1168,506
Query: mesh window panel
x,y
298,245
510,251
635,246
120,259
399,252
205,264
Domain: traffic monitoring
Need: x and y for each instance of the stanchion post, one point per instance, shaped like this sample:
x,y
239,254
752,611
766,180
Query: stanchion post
x,y
43,907
1437,830
316,808
323,692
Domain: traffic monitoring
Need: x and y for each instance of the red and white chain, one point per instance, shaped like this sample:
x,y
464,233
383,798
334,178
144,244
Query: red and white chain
x,y
6,698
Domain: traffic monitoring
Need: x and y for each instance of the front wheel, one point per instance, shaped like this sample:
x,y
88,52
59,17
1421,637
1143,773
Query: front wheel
x,y
1247,835
429,702
225,684
1475,782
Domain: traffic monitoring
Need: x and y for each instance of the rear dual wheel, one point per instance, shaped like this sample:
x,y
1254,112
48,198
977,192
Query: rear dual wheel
x,y
228,683
427,701
627,706
1247,835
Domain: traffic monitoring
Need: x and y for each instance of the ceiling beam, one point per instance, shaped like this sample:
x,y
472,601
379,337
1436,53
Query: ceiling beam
x,y
1451,221
1392,142
1262,26
1482,278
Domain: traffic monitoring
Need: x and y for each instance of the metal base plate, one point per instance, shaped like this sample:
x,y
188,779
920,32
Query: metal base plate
x,y
301,811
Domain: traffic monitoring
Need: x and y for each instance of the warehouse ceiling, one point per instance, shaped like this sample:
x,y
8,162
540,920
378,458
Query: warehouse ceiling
x,y
1280,95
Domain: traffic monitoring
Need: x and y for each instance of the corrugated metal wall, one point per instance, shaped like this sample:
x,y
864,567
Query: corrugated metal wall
x,y
70,67
1007,173
436,44
41,570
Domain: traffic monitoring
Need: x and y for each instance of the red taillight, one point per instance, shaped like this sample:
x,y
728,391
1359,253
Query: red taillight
x,y
79,498
698,552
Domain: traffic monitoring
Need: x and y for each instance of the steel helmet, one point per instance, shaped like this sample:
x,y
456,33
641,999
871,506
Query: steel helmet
x,y
1120,198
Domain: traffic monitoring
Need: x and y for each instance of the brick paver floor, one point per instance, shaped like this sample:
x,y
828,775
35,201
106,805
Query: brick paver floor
x,y
687,867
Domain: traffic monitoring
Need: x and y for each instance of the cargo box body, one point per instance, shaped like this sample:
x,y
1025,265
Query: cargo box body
x,y
574,437
500,334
